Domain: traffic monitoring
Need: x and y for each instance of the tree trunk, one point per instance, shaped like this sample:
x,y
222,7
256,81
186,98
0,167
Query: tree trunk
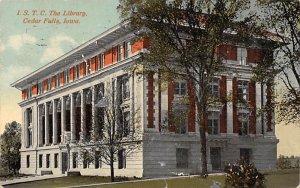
x,y
202,111
112,170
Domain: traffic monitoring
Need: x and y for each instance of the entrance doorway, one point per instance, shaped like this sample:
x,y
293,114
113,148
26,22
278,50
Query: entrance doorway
x,y
215,158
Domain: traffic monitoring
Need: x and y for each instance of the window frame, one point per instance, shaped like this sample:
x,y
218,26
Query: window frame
x,y
243,90
242,56
121,159
125,88
243,120
213,117
127,49
211,88
178,91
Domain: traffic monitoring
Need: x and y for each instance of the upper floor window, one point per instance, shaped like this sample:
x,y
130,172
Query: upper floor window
x,y
180,121
125,88
126,123
213,122
67,76
88,67
49,84
243,123
242,56
40,88
29,92
127,49
180,88
213,88
243,90
101,61
119,52
77,71
57,80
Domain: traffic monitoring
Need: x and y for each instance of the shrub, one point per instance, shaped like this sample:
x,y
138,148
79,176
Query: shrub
x,y
283,162
243,174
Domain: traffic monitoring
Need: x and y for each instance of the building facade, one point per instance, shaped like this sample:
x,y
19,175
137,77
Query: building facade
x,y
58,110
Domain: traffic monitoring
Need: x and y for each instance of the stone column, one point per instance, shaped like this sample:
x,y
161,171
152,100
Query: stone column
x,y
229,107
83,115
94,118
26,128
46,124
54,117
72,114
63,118
40,124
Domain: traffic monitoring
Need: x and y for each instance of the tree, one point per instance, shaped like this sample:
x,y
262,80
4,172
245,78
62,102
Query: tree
x,y
283,18
10,145
116,137
185,36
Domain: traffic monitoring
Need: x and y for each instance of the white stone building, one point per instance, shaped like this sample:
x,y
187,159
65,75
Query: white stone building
x,y
58,106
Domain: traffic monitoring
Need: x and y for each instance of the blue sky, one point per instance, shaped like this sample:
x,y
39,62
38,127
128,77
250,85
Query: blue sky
x,y
25,47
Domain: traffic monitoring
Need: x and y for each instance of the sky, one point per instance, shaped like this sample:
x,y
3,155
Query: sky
x,y
25,46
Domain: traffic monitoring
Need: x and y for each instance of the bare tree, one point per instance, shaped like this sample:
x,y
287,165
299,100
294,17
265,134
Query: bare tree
x,y
116,135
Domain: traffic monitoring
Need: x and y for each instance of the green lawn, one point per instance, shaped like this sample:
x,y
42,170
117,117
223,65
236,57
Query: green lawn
x,y
276,179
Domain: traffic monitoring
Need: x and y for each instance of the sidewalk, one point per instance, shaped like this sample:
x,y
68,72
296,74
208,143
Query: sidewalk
x,y
28,179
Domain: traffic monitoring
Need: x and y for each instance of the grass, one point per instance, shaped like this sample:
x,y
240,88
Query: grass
x,y
275,179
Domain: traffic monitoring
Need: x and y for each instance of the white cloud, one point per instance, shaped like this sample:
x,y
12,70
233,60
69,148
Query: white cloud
x,y
54,49
17,41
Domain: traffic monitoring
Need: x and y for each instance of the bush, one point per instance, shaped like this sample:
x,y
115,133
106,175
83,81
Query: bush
x,y
283,162
243,174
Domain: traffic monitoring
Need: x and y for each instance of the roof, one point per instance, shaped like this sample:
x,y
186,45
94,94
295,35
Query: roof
x,y
75,54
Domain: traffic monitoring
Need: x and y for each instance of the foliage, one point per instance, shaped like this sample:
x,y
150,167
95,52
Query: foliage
x,y
282,18
184,37
243,174
283,162
9,146
112,136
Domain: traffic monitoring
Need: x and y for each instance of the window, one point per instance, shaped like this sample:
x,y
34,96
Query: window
x,y
56,160
121,159
98,162
48,161
29,128
127,49
88,67
182,158
180,88
213,122
77,71
67,77
180,121
101,61
125,88
40,88
27,161
242,56
119,52
213,88
41,161
57,80
75,158
215,158
243,90
245,154
29,92
49,84
126,123
243,122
